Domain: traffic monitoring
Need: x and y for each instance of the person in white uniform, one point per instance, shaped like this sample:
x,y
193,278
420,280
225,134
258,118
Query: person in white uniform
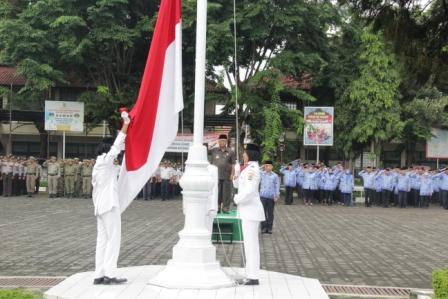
x,y
107,208
250,210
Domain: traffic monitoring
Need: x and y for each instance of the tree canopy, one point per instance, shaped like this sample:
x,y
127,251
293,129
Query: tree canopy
x,y
382,64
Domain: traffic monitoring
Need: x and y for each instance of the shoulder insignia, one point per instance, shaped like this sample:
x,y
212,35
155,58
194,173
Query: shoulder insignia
x,y
250,175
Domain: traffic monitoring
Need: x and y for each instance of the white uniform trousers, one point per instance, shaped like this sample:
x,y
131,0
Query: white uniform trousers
x,y
108,243
251,248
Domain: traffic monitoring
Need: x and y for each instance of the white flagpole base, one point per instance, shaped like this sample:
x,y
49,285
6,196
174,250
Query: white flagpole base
x,y
194,264
187,276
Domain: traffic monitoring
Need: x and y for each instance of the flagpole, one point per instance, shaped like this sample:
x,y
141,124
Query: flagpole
x,y
194,264
199,94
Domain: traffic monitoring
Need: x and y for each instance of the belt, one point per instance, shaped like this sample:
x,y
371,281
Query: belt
x,y
69,175
52,174
30,173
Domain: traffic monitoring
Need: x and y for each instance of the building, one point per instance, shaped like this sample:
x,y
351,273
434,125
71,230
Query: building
x,y
22,123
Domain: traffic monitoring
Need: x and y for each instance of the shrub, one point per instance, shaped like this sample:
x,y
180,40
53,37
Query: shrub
x,y
18,294
440,283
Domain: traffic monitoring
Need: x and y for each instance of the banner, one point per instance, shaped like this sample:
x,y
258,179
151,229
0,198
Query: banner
x,y
64,116
318,128
437,146
183,142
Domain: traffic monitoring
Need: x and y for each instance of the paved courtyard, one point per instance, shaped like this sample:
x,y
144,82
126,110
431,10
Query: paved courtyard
x,y
384,247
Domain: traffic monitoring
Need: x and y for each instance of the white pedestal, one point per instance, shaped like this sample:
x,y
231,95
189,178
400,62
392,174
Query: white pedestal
x,y
273,285
194,264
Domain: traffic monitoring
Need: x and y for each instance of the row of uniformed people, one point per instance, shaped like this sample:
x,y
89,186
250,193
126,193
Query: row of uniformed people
x,y
18,175
416,186
318,182
69,177
163,183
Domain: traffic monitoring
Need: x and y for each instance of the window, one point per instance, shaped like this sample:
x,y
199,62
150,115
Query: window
x,y
391,158
291,105
219,109
26,149
80,150
311,154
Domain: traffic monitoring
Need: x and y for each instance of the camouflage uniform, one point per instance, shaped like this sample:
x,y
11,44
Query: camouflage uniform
x,y
61,184
78,178
69,174
87,169
31,173
53,171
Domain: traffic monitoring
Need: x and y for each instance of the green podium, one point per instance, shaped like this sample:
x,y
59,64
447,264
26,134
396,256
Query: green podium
x,y
227,228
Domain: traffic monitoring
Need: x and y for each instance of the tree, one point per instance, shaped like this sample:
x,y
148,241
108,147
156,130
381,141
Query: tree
x,y
428,109
368,110
91,43
275,39
103,45
419,37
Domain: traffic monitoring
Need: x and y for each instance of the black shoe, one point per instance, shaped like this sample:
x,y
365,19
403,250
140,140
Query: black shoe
x,y
269,232
251,282
114,280
98,280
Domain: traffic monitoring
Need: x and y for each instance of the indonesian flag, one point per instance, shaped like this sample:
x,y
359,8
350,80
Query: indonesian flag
x,y
154,118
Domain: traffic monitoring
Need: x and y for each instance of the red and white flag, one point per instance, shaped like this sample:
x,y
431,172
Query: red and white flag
x,y
154,118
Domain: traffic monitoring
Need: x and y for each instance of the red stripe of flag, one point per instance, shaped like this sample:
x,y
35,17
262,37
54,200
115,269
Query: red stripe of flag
x,y
143,115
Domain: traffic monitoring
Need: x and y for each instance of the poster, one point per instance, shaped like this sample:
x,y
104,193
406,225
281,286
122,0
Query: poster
x,y
64,116
318,128
183,142
437,146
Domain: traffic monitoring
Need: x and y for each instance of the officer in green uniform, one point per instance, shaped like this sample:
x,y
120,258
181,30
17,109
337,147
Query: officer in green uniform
x,y
53,172
61,183
224,158
87,169
31,173
69,176
78,178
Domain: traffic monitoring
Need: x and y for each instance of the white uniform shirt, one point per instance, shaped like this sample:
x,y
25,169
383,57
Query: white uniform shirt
x,y
166,173
248,196
104,182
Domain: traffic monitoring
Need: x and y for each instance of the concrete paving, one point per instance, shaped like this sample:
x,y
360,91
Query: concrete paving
x,y
338,245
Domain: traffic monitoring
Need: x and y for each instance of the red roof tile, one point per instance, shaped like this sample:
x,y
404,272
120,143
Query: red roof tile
x,y
8,76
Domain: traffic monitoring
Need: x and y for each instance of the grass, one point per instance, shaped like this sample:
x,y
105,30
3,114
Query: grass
x,y
440,283
19,294
43,183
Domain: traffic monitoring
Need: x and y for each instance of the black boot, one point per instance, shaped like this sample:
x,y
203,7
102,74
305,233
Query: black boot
x,y
114,280
251,282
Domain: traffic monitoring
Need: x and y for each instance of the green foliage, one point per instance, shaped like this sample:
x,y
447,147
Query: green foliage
x,y
91,43
369,109
273,125
285,38
417,30
18,294
428,109
440,284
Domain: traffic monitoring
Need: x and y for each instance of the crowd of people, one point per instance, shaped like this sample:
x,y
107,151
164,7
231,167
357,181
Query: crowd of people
x,y
416,186
18,176
70,178
164,183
